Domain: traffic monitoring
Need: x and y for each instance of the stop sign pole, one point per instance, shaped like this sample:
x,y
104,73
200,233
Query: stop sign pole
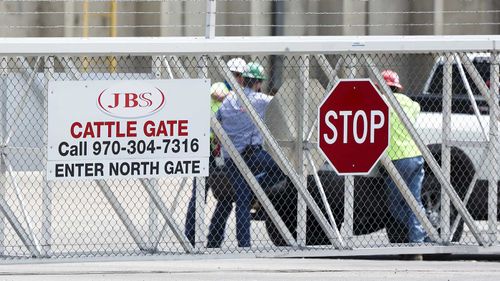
x,y
353,126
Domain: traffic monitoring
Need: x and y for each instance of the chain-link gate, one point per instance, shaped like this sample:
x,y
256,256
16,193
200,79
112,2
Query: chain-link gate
x,y
304,207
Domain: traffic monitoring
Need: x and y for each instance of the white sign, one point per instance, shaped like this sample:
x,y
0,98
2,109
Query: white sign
x,y
128,129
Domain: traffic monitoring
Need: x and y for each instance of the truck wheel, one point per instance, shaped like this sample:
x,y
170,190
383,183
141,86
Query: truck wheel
x,y
368,216
431,198
284,202
462,172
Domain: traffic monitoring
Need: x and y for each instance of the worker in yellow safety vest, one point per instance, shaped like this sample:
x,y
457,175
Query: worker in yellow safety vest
x,y
407,159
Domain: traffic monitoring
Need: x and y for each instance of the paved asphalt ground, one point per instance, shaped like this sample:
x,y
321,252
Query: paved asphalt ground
x,y
254,269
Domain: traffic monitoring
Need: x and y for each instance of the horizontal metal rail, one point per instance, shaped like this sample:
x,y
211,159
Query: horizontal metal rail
x,y
244,45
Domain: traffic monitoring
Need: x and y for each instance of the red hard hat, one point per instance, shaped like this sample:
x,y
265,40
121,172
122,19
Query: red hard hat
x,y
391,78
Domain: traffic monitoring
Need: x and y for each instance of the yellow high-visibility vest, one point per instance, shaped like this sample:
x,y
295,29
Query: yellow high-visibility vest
x,y
401,144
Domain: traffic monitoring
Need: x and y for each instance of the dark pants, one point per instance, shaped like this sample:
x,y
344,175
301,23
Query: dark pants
x,y
412,171
189,229
267,173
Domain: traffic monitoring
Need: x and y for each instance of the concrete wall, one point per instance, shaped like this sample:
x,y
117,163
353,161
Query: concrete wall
x,y
9,23
234,18
386,19
323,17
488,18
331,19
147,18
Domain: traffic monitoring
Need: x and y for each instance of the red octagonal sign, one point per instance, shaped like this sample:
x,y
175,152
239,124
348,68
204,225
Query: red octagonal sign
x,y
353,126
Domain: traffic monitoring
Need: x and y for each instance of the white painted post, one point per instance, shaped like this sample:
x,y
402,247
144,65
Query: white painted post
x,y
153,212
200,191
47,193
348,225
3,134
445,147
301,166
494,155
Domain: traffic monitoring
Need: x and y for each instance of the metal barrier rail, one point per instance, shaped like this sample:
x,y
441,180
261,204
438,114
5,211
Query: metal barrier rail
x,y
314,211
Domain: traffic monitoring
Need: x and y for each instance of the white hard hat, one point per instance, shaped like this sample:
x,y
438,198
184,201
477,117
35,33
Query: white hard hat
x,y
237,65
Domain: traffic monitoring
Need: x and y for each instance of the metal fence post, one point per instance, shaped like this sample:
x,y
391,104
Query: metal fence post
x,y
445,147
331,73
348,225
153,217
301,167
200,182
27,236
3,134
475,76
47,186
494,149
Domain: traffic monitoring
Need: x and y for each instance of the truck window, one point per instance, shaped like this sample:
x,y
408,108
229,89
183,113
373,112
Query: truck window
x,y
458,88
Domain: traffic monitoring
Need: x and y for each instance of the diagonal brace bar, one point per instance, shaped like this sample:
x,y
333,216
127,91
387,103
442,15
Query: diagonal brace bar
x,y
122,214
167,215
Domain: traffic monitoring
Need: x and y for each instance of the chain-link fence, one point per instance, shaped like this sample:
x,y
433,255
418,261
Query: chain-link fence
x,y
269,190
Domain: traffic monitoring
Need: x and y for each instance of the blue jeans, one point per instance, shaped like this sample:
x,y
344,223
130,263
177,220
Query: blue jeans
x,y
412,171
267,173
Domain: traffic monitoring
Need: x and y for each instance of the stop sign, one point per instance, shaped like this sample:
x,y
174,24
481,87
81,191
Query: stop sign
x,y
353,126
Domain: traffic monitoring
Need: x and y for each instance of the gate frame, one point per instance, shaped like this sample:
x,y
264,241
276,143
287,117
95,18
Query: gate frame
x,y
300,46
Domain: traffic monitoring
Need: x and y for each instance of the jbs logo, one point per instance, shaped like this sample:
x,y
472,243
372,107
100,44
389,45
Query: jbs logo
x,y
136,103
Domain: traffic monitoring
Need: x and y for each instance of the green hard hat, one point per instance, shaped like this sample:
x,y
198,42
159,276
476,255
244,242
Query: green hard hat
x,y
254,70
